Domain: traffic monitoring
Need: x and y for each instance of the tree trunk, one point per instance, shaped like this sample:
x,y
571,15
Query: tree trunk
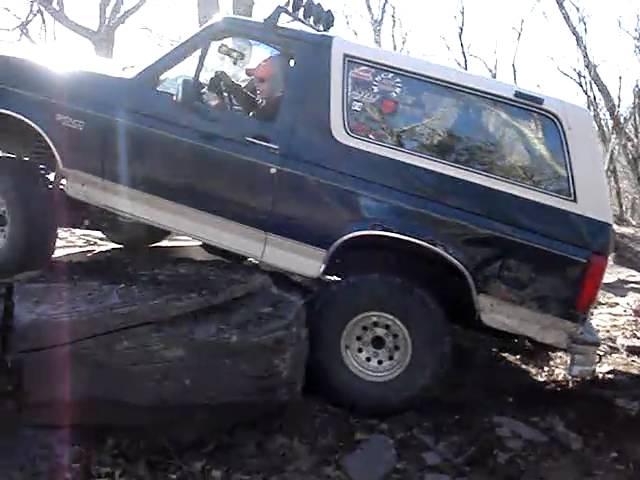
x,y
243,7
109,342
207,9
104,44
617,190
377,35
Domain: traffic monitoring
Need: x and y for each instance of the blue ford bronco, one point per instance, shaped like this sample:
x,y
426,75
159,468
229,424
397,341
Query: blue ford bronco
x,y
416,196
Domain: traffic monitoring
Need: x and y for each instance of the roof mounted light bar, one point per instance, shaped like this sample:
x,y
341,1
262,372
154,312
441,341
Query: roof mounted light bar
x,y
313,15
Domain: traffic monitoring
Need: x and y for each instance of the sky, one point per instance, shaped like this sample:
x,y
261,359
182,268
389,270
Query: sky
x,y
546,42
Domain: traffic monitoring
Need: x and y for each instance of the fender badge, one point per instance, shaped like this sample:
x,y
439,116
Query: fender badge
x,y
67,121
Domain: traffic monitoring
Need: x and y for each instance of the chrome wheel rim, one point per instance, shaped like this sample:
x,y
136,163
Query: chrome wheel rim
x,y
4,223
376,346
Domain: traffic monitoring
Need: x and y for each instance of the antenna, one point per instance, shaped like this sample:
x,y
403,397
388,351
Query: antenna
x,y
313,15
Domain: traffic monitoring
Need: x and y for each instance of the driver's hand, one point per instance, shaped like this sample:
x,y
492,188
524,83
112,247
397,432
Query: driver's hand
x,y
223,78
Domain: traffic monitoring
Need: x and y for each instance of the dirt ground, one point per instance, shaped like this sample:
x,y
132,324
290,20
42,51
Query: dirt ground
x,y
508,412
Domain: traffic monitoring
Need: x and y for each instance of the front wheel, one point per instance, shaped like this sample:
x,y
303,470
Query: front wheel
x,y
27,224
378,343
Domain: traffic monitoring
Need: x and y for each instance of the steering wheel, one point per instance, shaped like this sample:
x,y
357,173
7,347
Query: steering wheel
x,y
217,86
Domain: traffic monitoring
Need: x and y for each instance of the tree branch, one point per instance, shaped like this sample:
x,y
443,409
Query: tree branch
x,y
128,13
244,8
23,24
59,15
397,29
637,35
349,24
383,10
580,79
493,70
102,14
514,68
591,67
369,9
206,10
115,11
450,50
463,50
377,21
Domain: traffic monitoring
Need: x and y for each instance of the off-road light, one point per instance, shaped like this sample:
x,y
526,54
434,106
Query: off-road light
x,y
313,14
307,13
329,21
296,6
318,14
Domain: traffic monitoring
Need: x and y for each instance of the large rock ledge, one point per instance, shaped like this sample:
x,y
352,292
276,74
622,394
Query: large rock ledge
x,y
126,341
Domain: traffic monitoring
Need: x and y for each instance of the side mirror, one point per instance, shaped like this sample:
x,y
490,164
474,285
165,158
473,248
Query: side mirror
x,y
187,92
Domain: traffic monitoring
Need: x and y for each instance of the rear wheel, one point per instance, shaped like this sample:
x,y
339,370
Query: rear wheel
x,y
133,235
27,225
378,343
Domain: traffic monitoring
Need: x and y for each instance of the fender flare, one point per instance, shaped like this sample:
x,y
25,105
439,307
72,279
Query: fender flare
x,y
395,236
39,130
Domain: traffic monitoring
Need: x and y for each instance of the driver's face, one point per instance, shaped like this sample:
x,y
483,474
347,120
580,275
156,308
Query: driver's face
x,y
264,86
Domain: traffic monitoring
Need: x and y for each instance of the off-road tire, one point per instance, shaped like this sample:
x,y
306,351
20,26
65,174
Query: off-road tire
x,y
30,230
133,235
421,316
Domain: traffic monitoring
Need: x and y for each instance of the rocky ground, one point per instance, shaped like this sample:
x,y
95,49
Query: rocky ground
x,y
508,411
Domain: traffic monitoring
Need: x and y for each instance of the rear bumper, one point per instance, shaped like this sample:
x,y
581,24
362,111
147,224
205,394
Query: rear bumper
x,y
580,340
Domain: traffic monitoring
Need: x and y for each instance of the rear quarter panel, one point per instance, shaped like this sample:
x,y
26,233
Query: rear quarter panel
x,y
524,248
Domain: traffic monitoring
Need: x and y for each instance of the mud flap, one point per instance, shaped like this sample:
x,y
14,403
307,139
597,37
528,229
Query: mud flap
x,y
583,352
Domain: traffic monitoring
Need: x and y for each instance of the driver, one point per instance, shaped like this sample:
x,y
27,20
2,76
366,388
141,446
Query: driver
x,y
262,95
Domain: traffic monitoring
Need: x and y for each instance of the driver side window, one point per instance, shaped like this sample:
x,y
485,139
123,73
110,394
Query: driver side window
x,y
238,75
169,80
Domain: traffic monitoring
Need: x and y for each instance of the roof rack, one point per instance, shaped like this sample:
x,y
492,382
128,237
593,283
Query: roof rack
x,y
313,15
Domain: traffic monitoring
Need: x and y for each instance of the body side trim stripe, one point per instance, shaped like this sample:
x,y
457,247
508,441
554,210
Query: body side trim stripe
x,y
270,249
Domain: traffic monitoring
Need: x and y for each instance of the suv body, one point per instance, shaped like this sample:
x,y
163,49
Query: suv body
x,y
492,199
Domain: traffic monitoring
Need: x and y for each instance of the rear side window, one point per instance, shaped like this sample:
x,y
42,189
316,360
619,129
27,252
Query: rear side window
x,y
442,123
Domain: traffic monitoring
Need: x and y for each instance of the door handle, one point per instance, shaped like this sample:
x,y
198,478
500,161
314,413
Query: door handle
x,y
262,143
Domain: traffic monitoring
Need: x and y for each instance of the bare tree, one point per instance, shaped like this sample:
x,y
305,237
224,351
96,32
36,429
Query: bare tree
x,y
349,22
377,18
463,60
463,47
111,16
589,64
207,9
464,53
243,7
491,68
519,30
514,69
617,126
382,18
23,23
399,35
636,35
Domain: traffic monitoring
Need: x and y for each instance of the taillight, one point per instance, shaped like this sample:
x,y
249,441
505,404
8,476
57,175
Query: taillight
x,y
591,283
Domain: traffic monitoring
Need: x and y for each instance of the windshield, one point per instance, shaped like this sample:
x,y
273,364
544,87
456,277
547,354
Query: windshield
x,y
235,55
